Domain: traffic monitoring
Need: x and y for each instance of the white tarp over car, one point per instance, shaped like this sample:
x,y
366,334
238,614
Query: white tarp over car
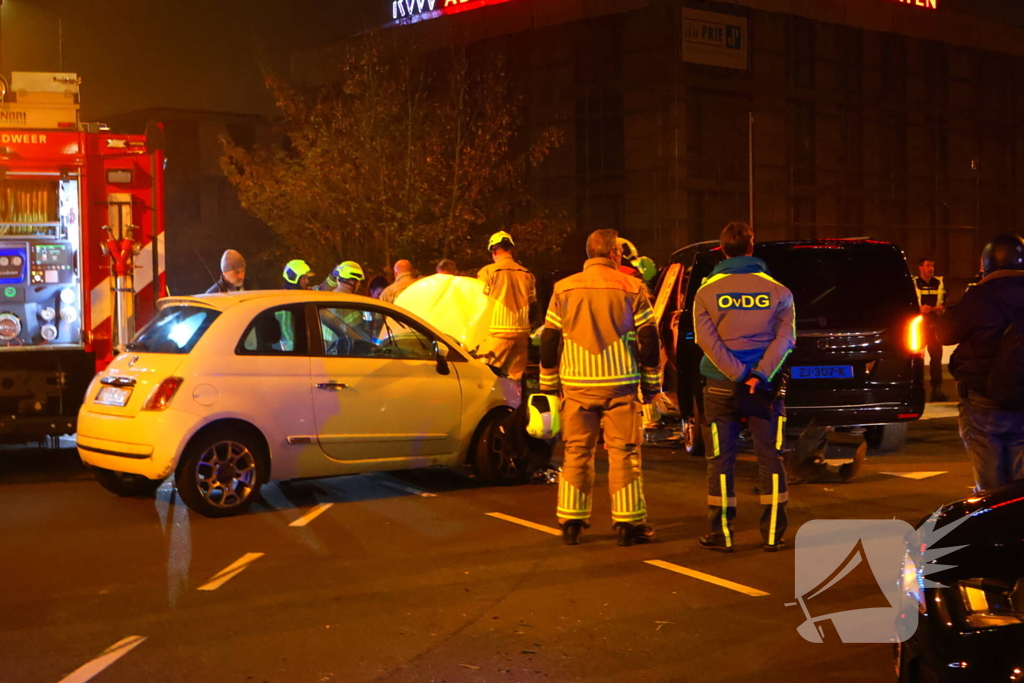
x,y
454,304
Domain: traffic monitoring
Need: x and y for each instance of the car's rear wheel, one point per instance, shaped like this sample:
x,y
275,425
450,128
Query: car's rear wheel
x,y
887,438
126,485
221,472
493,461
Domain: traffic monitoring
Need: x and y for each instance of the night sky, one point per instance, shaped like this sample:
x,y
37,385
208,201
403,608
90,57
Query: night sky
x,y
188,54
206,54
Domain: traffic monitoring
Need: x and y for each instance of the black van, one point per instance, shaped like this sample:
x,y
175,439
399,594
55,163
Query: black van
x,y
859,354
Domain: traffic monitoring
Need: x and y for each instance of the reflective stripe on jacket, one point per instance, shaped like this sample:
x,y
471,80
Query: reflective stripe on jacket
x,y
744,321
513,288
598,314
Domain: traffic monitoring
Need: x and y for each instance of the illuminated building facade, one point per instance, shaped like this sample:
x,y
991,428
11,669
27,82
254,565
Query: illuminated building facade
x,y
898,119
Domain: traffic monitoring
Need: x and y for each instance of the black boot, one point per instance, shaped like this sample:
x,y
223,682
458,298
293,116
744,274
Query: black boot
x,y
571,531
631,534
715,542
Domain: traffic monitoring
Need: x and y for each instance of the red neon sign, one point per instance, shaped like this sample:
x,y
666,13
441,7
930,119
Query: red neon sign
x,y
927,4
421,10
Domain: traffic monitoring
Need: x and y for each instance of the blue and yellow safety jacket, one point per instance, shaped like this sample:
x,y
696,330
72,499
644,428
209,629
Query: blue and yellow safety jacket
x,y
744,321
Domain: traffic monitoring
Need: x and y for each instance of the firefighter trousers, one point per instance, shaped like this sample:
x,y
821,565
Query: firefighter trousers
x,y
722,414
582,418
508,354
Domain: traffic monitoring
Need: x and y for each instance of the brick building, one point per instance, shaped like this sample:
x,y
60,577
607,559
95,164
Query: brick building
x,y
896,119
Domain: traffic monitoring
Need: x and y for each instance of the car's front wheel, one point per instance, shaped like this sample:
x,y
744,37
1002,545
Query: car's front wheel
x,y
221,473
493,462
126,485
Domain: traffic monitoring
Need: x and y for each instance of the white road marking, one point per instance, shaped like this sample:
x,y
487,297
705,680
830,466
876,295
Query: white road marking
x,y
914,475
523,522
236,568
110,655
405,489
936,411
692,573
312,514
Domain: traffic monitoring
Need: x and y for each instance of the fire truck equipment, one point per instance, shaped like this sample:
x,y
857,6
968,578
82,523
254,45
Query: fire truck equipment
x,y
65,307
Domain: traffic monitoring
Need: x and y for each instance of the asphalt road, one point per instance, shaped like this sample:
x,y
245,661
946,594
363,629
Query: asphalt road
x,y
408,577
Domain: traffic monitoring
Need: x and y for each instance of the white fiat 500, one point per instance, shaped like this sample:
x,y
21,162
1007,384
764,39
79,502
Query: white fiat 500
x,y
230,391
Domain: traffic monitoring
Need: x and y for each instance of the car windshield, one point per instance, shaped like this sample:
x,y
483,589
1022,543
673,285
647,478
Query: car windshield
x,y
175,329
842,288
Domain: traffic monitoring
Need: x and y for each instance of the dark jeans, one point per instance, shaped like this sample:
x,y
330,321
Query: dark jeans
x,y
995,441
722,414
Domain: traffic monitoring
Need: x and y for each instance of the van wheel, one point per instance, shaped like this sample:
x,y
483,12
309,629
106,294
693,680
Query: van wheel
x,y
887,438
493,463
221,472
127,485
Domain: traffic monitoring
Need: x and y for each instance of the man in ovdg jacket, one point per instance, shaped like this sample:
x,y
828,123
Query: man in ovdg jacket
x,y
988,364
744,322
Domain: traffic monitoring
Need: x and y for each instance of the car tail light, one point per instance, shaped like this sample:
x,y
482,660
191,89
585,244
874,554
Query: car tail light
x,y
162,395
915,335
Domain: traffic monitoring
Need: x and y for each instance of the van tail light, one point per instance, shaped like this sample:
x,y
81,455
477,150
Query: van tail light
x,y
162,395
915,335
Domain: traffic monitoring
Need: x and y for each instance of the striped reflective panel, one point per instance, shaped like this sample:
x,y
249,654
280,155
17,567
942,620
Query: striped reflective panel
x,y
614,366
572,503
645,316
553,319
725,512
780,436
505,320
628,504
775,509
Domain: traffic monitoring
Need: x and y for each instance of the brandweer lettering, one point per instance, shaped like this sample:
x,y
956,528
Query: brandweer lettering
x,y
24,138
759,301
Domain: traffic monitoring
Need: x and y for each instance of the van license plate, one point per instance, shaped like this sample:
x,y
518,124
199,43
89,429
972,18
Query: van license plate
x,y
113,396
822,372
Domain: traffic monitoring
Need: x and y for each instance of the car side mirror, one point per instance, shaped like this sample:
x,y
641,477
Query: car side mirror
x,y
441,354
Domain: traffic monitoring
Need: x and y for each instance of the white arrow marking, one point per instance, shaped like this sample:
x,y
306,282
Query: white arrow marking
x,y
914,475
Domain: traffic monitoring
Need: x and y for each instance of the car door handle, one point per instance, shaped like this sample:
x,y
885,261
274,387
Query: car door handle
x,y
332,386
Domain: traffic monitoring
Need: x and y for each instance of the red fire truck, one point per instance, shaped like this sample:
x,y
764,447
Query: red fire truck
x,y
81,250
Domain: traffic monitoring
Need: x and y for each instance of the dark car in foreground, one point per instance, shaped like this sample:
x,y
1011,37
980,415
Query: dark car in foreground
x,y
971,629
858,359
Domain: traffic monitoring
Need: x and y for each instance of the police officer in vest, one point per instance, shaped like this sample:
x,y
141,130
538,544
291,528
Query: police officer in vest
x,y
744,322
988,364
931,296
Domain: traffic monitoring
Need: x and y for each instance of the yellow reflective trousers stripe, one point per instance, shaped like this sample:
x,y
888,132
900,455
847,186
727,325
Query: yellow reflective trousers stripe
x,y
775,509
725,512
780,437
715,448
572,503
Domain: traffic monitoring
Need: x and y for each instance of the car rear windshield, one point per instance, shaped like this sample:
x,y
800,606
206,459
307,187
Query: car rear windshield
x,y
843,288
175,329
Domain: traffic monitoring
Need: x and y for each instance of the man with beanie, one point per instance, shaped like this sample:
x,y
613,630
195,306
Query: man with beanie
x,y
232,269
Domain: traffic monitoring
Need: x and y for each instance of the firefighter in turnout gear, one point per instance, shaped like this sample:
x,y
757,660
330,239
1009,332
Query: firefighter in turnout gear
x,y
931,296
599,346
744,323
513,290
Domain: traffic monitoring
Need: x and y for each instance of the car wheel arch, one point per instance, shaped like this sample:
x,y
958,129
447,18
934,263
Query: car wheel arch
x,y
238,425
